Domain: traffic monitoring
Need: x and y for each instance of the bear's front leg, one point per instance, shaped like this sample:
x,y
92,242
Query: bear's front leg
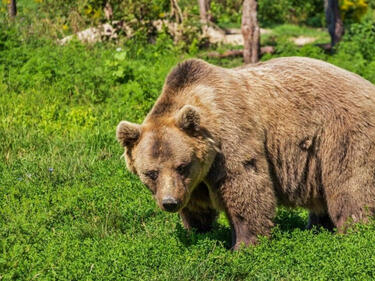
x,y
200,219
250,206
199,213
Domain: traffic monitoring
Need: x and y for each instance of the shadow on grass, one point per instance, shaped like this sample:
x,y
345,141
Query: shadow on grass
x,y
218,233
287,220
290,219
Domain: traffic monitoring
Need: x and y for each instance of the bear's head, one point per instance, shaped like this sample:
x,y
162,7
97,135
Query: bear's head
x,y
170,155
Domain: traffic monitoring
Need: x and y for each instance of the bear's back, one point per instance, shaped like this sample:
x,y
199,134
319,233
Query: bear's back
x,y
312,73
304,89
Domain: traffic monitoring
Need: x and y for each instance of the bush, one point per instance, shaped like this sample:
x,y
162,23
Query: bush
x,y
72,16
271,12
356,51
227,12
353,10
360,37
92,10
291,11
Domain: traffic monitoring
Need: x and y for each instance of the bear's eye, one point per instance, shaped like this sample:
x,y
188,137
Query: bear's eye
x,y
152,174
183,169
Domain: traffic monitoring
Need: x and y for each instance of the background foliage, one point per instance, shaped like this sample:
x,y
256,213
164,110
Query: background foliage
x,y
69,210
223,11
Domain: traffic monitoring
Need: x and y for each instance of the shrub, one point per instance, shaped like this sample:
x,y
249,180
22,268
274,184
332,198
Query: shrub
x,y
353,10
360,37
271,12
356,51
291,11
92,10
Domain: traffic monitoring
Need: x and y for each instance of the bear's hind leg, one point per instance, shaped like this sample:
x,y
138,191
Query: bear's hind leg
x,y
345,209
348,177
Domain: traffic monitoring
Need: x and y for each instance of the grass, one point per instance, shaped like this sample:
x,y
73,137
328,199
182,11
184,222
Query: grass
x,y
69,210
286,31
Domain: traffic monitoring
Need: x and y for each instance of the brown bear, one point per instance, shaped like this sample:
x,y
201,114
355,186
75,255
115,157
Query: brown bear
x,y
293,131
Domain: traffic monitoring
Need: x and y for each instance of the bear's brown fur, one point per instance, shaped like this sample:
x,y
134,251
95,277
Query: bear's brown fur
x,y
292,131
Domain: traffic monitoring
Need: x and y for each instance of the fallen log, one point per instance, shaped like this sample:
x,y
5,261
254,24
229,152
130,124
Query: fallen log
x,y
237,53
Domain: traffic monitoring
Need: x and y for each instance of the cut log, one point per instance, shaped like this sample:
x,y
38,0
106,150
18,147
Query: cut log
x,y
238,53
104,31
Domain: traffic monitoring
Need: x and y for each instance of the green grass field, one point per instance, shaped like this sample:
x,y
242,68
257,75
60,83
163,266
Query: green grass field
x,y
69,210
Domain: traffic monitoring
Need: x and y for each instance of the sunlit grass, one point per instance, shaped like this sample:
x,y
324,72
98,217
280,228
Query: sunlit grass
x,y
69,210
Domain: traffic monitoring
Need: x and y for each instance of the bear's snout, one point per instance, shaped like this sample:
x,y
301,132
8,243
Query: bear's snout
x,y
170,204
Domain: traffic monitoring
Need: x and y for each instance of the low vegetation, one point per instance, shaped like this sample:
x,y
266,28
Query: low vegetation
x,y
69,210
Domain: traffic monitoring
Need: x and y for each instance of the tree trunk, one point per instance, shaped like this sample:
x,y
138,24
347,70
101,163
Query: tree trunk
x,y
108,11
334,21
204,11
176,11
12,8
250,31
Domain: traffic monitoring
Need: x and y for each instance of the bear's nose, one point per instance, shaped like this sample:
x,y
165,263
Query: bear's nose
x,y
170,204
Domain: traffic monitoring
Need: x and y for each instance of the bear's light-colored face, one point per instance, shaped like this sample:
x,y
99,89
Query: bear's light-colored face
x,y
170,158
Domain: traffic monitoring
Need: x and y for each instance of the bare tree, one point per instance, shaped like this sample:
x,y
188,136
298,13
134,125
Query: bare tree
x,y
108,11
204,11
250,31
176,11
12,8
334,21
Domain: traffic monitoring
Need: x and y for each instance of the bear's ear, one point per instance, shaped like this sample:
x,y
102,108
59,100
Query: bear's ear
x,y
188,119
127,133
